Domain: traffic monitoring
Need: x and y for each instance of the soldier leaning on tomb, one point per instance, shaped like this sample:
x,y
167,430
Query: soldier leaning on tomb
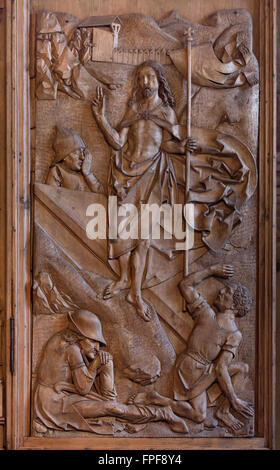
x,y
71,167
75,384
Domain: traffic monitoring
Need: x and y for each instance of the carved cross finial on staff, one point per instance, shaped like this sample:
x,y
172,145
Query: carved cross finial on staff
x,y
188,33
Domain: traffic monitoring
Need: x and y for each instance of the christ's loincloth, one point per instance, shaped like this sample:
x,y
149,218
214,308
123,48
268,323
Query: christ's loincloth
x,y
151,181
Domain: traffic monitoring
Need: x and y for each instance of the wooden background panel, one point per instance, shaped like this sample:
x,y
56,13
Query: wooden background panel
x,y
189,9
65,110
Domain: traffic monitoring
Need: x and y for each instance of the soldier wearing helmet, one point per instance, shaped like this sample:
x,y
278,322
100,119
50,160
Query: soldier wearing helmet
x,y
87,324
71,166
75,384
73,369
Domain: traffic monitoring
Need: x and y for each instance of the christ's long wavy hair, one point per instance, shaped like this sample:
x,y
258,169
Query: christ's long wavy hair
x,y
164,91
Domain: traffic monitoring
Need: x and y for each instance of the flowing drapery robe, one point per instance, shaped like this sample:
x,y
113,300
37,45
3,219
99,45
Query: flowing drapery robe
x,y
223,178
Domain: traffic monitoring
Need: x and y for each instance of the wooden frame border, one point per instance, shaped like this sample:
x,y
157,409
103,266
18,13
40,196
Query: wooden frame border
x,y
266,287
18,252
2,218
18,227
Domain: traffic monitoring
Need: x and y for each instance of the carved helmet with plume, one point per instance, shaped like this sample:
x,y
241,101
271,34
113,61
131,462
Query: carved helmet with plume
x,y
66,141
47,23
88,324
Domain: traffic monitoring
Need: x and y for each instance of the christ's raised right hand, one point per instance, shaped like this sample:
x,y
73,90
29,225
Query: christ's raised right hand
x,y
98,104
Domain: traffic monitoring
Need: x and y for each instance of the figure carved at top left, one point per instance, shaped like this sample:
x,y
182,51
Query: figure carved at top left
x,y
61,58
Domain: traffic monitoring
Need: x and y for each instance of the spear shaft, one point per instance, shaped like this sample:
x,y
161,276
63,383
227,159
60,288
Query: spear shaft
x,y
188,35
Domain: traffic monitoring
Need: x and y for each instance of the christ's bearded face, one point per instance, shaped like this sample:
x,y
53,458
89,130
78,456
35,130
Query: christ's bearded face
x,y
148,81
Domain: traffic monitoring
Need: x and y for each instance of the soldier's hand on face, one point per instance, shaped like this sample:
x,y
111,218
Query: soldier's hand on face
x,y
86,167
95,363
98,104
191,145
223,270
105,357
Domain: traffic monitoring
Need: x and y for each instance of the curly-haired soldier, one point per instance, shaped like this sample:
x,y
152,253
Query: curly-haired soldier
x,y
211,348
242,299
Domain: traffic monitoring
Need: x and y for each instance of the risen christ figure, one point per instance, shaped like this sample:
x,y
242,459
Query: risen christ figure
x,y
141,171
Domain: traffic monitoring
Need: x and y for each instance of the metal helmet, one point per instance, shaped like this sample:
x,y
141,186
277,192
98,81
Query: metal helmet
x,y
66,141
47,22
88,324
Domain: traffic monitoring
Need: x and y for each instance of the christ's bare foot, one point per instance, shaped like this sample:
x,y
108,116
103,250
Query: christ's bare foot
x,y
229,420
114,288
143,309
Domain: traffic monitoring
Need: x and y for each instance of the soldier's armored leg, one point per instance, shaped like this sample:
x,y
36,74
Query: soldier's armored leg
x,y
132,413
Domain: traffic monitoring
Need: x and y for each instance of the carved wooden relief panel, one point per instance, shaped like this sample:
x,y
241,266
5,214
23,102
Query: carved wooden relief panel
x,y
145,234
111,99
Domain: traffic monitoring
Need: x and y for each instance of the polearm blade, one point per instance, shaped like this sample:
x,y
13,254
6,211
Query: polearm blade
x,y
188,36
